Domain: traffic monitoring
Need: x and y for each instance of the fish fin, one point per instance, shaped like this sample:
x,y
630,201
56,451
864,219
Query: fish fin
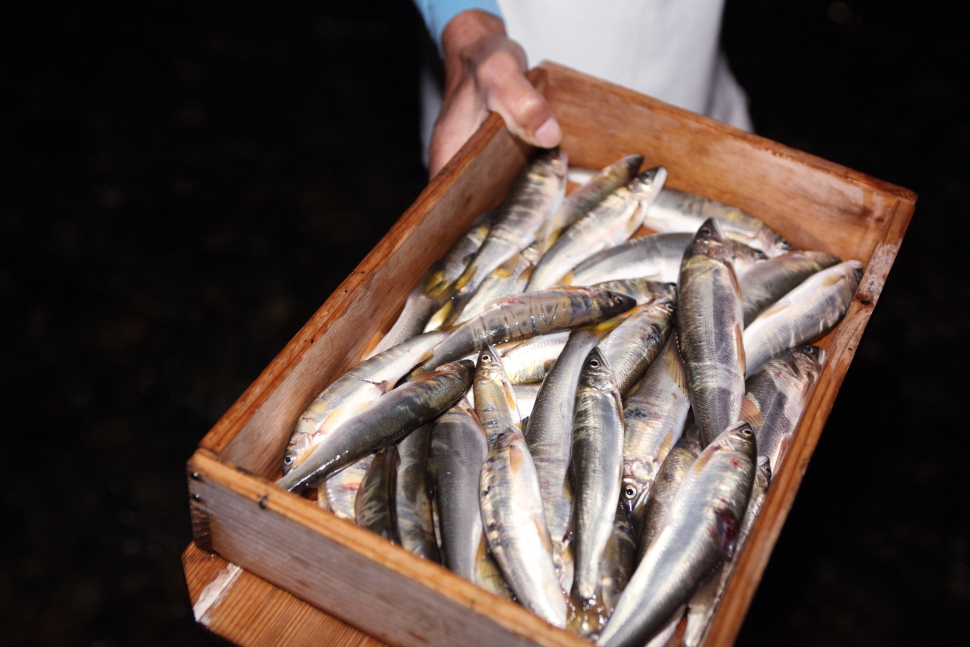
x,y
751,413
438,319
463,280
832,279
739,340
675,367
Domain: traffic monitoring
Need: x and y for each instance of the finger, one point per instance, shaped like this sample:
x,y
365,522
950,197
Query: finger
x,y
526,112
461,115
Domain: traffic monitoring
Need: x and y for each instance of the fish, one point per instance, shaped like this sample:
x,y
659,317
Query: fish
x,y
353,392
645,291
515,526
654,415
536,194
776,396
648,515
698,532
634,344
437,284
527,315
549,438
495,403
340,490
709,330
597,466
593,190
412,499
803,315
530,360
655,256
391,417
459,447
374,504
704,603
525,399
772,279
609,223
674,211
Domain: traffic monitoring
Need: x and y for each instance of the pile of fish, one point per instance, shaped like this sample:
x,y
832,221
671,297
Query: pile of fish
x,y
578,420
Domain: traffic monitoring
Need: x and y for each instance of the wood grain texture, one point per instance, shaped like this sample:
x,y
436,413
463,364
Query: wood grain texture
x,y
304,558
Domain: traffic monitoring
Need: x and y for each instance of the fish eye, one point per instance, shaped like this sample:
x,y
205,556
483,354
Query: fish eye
x,y
486,358
630,491
704,231
768,471
594,363
287,460
746,432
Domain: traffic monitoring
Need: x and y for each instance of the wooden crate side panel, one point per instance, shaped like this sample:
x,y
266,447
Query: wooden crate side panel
x,y
815,204
351,573
250,612
254,432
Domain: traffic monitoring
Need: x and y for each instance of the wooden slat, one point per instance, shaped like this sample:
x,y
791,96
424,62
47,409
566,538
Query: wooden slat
x,y
352,573
253,613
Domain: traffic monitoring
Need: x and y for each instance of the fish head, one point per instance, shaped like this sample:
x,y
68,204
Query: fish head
x,y
824,260
744,257
596,371
738,437
638,477
489,366
762,473
647,185
631,163
608,303
807,361
710,241
297,446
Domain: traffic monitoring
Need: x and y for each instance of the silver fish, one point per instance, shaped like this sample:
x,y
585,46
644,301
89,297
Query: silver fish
x,y
530,360
528,315
437,284
653,420
776,397
608,224
656,257
549,436
525,398
709,329
649,514
340,490
698,532
374,505
353,392
495,403
412,500
597,465
803,315
633,345
645,291
535,195
679,211
704,603
579,202
459,447
392,416
515,526
772,279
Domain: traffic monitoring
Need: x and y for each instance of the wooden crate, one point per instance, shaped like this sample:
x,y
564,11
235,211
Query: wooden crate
x,y
270,567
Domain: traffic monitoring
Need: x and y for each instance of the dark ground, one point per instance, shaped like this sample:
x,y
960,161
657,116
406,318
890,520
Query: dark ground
x,y
185,185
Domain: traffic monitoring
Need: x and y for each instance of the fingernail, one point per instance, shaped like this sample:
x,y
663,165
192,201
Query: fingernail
x,y
549,134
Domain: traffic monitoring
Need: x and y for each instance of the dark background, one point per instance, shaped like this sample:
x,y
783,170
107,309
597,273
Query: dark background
x,y
186,184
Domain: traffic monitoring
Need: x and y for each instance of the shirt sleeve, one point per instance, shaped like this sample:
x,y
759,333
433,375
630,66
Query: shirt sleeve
x,y
437,13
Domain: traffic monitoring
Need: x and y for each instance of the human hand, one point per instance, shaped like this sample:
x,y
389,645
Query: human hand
x,y
485,71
